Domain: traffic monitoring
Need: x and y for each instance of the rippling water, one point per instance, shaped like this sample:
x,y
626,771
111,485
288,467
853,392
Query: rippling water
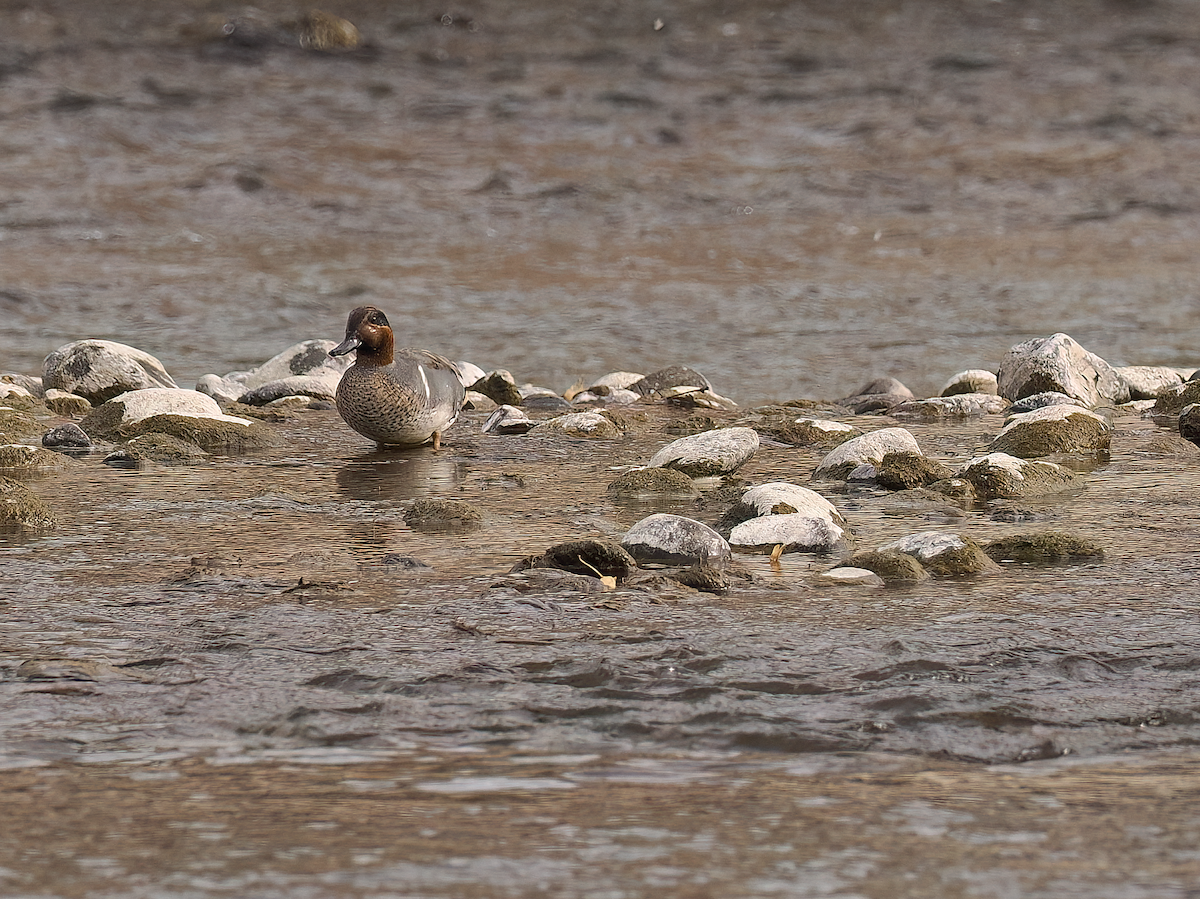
x,y
225,676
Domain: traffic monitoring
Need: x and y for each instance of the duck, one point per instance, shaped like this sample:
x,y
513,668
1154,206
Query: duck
x,y
396,397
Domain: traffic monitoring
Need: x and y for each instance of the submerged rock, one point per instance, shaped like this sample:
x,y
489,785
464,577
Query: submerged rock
x,y
665,539
892,566
961,405
879,395
1044,548
869,448
67,438
1058,363
944,554
158,448
653,482
905,470
809,432
1001,476
716,452
22,510
848,576
184,414
19,458
99,370
443,516
595,558
1053,429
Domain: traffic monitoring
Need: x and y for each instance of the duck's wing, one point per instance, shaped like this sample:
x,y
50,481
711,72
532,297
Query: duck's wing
x,y
439,376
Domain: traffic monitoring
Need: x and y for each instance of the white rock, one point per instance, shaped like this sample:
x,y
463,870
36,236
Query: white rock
x,y
1059,363
1145,381
615,396
7,390
138,405
926,545
666,539
581,424
711,453
870,448
617,380
760,500
508,420
309,357
832,427
959,405
469,373
999,475
796,531
973,380
101,369
852,577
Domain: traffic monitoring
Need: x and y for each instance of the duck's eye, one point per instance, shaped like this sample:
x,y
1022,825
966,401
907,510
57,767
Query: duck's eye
x,y
377,318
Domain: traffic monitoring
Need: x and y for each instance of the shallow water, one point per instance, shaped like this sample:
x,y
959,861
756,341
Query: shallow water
x,y
230,687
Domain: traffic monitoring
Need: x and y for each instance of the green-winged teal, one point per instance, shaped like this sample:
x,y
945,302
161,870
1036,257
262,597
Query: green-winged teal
x,y
402,397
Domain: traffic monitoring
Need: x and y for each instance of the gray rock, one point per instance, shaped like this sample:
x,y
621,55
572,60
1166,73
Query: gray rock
x,y
30,384
1058,363
1146,382
617,380
98,370
808,431
322,386
581,424
594,558
716,452
159,448
9,391
870,448
960,405
545,402
1040,401
795,531
1001,476
944,554
1053,429
469,372
606,396
665,539
879,395
848,576
892,566
973,380
508,420
782,498
139,405
1189,423
65,438
675,376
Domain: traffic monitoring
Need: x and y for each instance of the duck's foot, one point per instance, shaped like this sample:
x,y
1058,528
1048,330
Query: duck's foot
x,y
437,440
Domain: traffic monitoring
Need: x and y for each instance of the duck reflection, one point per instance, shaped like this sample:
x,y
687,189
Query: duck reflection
x,y
398,475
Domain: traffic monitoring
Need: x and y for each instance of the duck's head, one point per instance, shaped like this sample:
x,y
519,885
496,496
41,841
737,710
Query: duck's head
x,y
368,331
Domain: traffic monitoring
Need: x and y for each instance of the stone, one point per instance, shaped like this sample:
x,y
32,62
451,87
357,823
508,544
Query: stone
x,y
848,576
21,510
500,387
692,398
17,457
469,372
606,396
944,554
159,448
443,516
869,448
617,380
595,558
782,498
66,438
508,420
892,566
1058,363
1040,401
184,414
1001,476
1189,423
665,539
960,405
62,403
138,405
795,531
581,424
674,376
1146,382
545,402
1044,548
10,391
816,432
326,32
647,483
905,470
879,395
321,386
1053,429
715,452
703,577
31,385
303,369
473,399
16,425
99,370
973,380
1173,400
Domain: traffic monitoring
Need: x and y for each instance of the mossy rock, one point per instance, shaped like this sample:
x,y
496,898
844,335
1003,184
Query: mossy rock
x,y
903,471
596,558
162,449
210,434
1044,548
17,458
893,567
498,389
21,510
692,424
653,482
17,424
961,561
805,433
1172,400
443,516
1081,432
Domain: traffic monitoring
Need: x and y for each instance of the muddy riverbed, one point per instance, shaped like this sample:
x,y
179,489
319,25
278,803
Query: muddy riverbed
x,y
223,679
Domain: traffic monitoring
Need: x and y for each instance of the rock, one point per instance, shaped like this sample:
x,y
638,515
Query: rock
x,y
1053,429
62,403
691,398
921,502
508,420
1173,400
224,390
715,452
31,385
22,510
1146,382
1001,476
548,580
782,498
469,372
17,425
1189,423
594,558
500,387
958,490
1043,548
159,448
675,376
961,405
303,369
869,448
443,516
697,423
892,566
1041,401
1059,364
706,578
809,432
973,380
138,405
321,386
545,402
580,424
473,399
880,394
9,391
944,554
646,483
66,438
847,576
795,531
17,457
605,396
184,414
99,370
617,380
904,470
665,539
326,32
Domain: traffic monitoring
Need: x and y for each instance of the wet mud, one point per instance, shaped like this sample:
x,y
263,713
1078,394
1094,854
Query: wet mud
x,y
250,677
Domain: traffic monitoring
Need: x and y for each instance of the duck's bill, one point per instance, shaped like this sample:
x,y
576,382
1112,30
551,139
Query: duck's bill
x,y
350,343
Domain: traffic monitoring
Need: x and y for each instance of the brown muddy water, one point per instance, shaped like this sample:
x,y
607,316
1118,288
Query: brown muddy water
x,y
217,680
